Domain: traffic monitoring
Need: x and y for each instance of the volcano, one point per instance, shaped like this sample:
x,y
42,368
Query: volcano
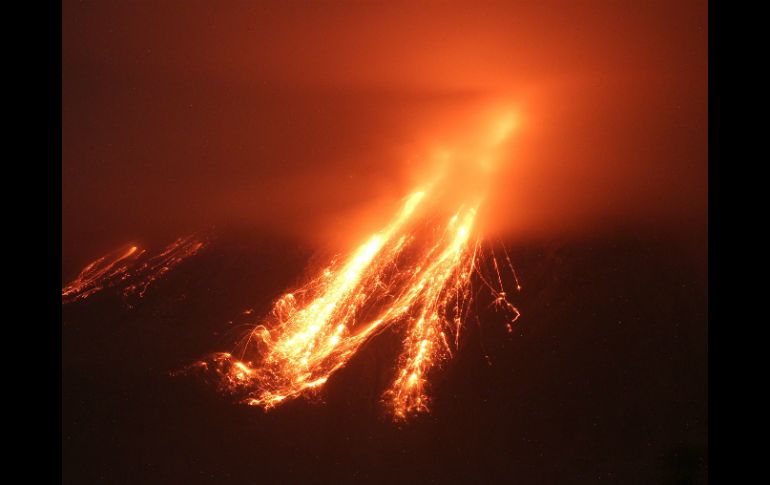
x,y
383,242
579,369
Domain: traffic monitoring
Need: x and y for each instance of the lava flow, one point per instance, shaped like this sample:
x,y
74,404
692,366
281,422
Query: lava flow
x,y
122,269
416,274
100,273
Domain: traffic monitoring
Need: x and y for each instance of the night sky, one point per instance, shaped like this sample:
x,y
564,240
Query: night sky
x,y
289,131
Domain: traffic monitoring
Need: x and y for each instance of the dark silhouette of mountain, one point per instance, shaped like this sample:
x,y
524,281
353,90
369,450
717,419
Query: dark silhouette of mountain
x,y
602,378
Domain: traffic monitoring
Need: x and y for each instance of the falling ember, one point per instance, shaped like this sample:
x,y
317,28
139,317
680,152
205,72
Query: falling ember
x,y
414,274
130,270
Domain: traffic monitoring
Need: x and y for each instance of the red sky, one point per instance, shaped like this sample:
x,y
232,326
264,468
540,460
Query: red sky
x,y
314,119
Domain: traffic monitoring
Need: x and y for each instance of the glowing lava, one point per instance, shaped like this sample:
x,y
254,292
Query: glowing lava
x,y
100,273
130,270
415,274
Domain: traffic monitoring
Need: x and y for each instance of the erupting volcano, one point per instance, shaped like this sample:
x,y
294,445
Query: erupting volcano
x,y
378,242
416,273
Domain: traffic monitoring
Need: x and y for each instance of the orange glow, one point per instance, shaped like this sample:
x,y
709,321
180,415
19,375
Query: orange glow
x,y
415,274
299,119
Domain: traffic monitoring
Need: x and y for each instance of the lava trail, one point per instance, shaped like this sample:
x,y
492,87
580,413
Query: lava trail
x,y
130,270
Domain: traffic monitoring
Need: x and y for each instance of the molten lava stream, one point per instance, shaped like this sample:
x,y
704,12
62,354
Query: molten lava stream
x,y
122,269
408,274
414,275
97,274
